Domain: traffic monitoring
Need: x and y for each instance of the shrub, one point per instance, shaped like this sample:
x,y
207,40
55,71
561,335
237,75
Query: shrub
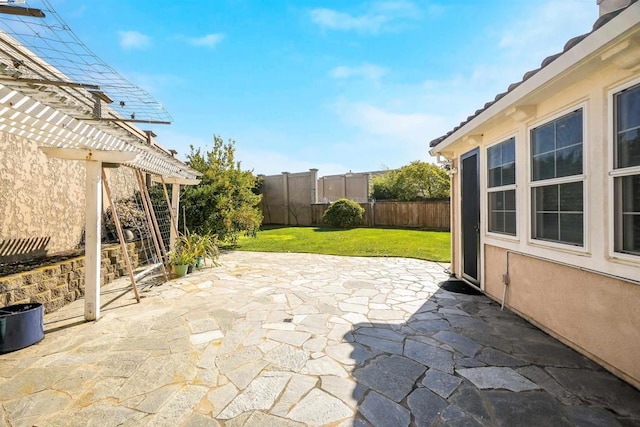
x,y
343,213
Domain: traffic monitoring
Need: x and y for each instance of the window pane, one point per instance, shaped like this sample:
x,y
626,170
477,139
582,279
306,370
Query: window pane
x,y
571,228
495,177
631,234
510,200
501,164
629,149
496,201
559,223
628,108
509,151
544,167
543,139
497,222
502,218
495,157
547,226
631,214
631,194
569,130
571,197
509,174
510,223
546,198
557,153
569,161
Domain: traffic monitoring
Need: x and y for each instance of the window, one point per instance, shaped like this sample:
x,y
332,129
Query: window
x,y
627,173
502,193
557,191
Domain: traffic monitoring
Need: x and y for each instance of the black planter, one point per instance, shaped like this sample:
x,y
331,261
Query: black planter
x,y
20,326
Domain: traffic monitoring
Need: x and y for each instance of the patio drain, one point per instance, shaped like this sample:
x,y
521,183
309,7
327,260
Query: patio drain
x,y
288,320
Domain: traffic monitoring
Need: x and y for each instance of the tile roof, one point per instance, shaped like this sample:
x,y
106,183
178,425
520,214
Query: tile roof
x,y
548,60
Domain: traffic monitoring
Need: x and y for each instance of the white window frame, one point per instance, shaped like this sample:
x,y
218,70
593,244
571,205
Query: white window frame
x,y
613,172
531,184
514,187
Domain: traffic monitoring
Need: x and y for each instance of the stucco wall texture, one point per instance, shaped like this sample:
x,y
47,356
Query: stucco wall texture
x,y
42,199
595,314
354,186
287,198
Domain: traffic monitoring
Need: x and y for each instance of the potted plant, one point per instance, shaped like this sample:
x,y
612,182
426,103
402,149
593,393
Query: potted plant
x,y
204,246
181,258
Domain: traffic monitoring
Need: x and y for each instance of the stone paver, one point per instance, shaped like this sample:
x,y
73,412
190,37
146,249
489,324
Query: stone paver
x,y
493,377
297,340
441,383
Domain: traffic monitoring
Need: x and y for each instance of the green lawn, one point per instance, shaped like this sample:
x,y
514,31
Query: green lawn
x,y
427,245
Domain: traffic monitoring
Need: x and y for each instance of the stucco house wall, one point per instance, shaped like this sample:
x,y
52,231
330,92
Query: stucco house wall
x,y
586,295
42,199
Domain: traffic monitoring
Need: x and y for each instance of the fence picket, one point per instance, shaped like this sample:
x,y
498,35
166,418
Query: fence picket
x,y
429,214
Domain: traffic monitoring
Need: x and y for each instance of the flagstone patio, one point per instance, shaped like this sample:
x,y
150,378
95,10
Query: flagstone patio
x,y
298,339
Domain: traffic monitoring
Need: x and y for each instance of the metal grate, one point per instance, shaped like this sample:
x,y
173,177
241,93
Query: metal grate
x,y
52,40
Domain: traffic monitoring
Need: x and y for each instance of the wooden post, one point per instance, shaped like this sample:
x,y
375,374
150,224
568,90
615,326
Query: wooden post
x,y
156,246
123,245
93,215
92,238
174,230
154,220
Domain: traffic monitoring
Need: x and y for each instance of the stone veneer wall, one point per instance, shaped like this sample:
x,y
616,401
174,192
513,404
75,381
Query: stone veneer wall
x,y
59,284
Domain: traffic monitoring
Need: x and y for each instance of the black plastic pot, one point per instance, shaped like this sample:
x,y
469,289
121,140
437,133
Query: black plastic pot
x,y
21,325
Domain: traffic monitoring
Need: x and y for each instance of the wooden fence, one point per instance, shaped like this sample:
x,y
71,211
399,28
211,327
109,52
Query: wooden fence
x,y
432,214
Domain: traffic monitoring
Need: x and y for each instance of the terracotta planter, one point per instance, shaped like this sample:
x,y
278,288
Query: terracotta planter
x,y
21,325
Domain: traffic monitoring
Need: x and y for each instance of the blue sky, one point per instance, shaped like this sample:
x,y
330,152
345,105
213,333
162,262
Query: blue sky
x,y
333,85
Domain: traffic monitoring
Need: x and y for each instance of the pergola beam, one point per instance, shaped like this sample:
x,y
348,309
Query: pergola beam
x,y
179,181
89,154
27,117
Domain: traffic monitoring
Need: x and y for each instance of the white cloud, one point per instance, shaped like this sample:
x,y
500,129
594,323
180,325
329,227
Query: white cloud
x,y
405,126
551,22
364,71
133,40
397,129
379,16
209,40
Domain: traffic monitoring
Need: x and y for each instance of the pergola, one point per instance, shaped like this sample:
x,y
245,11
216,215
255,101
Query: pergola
x,y
93,119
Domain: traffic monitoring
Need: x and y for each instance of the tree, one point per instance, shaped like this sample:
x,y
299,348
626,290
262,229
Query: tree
x,y
416,181
224,202
430,181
